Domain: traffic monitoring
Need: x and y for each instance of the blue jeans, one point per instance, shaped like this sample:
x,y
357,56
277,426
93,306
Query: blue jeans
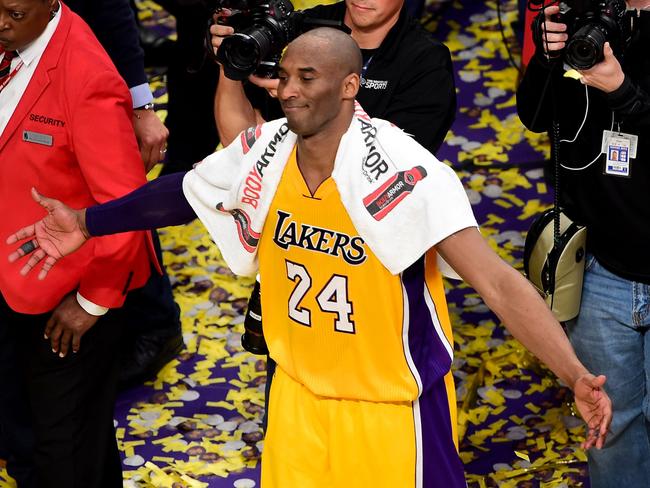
x,y
610,337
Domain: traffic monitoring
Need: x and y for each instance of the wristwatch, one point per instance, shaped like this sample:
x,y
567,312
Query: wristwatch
x,y
146,106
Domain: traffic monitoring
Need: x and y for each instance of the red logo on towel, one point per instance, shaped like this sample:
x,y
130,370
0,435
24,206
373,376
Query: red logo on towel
x,y
249,136
385,198
248,237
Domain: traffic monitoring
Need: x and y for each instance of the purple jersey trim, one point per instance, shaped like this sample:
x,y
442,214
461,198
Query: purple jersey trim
x,y
429,354
438,461
159,203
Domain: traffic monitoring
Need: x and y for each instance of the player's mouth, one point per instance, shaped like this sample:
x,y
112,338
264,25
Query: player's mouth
x,y
294,107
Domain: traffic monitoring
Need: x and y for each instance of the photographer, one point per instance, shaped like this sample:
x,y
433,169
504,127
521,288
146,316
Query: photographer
x,y
603,182
407,75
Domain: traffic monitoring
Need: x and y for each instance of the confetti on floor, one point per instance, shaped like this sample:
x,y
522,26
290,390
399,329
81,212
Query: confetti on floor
x,y
199,423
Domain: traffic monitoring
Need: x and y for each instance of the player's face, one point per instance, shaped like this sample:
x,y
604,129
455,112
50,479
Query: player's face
x,y
371,14
309,91
22,21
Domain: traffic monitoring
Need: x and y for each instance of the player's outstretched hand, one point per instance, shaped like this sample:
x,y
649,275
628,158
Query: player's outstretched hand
x,y
59,233
595,407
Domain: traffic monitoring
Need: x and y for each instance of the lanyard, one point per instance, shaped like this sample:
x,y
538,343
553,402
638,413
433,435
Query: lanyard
x,y
11,75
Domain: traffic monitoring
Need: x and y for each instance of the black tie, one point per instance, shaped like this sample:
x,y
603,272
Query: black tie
x,y
5,65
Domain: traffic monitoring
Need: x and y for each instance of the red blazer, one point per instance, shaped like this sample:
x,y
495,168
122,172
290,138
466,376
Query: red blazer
x,y
79,109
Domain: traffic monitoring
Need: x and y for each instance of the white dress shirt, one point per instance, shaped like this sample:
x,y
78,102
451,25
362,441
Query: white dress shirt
x,y
12,93
30,56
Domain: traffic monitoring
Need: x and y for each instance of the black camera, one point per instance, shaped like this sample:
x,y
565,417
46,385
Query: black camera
x,y
591,23
253,337
263,28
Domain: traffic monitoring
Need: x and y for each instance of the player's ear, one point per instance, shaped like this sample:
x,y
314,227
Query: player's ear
x,y
350,86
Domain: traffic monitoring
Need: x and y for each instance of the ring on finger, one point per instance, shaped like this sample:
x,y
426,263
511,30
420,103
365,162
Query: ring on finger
x,y
29,246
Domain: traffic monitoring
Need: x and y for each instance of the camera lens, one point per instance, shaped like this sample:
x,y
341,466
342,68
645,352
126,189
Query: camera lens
x,y
586,47
241,53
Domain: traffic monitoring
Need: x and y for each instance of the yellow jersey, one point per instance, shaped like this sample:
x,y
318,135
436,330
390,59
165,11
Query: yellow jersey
x,y
335,319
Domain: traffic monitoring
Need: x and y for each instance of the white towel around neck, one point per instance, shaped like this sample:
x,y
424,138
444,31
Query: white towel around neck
x,y
400,198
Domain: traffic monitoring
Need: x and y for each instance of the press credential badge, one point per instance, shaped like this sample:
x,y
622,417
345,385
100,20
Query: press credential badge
x,y
618,148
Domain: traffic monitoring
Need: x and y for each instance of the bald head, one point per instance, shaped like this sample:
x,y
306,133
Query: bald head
x,y
333,47
318,82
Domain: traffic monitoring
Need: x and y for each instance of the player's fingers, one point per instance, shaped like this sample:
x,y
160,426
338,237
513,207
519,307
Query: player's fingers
x,y
589,440
34,259
23,250
48,264
23,233
45,202
588,443
604,429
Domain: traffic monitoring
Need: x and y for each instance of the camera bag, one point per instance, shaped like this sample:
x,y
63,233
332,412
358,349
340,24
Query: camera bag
x,y
555,264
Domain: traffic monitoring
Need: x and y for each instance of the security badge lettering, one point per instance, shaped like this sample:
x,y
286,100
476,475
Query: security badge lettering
x,y
38,138
618,148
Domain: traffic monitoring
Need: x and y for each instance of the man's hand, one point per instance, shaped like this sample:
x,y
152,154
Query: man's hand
x,y
607,75
152,135
68,323
58,234
595,407
554,34
219,31
270,84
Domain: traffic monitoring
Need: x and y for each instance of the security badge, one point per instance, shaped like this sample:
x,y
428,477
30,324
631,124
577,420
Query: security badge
x,y
618,148
38,138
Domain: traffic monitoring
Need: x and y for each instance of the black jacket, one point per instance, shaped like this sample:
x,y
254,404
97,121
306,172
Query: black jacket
x,y
113,23
409,80
615,209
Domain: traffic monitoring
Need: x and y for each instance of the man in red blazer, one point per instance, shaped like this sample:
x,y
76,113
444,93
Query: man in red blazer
x,y
65,128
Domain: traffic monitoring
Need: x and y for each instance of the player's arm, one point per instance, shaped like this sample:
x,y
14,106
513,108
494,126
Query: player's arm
x,y
159,203
530,321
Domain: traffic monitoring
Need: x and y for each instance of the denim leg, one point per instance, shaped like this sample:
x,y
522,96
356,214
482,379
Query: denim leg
x,y
609,337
